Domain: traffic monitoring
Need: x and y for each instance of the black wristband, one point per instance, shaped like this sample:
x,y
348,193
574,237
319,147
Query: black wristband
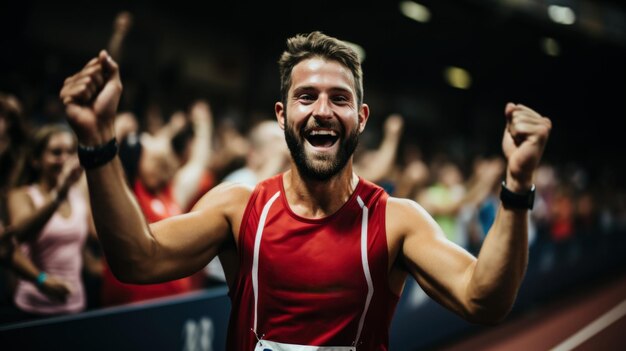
x,y
516,200
91,157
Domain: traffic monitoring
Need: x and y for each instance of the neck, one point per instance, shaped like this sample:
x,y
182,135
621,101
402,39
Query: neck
x,y
318,199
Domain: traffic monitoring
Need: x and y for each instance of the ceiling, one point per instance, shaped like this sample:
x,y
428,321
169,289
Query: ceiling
x,y
227,51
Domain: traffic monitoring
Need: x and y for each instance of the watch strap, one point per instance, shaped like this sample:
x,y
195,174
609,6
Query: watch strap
x,y
512,200
91,157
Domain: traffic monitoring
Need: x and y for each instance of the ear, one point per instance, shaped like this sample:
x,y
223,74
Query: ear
x,y
279,110
364,114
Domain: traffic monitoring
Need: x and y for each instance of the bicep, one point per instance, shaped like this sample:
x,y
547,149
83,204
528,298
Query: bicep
x,y
188,242
441,267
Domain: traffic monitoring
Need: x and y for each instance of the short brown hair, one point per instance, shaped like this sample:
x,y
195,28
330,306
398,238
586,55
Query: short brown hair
x,y
305,46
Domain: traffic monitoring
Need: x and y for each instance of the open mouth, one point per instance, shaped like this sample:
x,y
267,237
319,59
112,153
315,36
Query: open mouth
x,y
56,169
322,138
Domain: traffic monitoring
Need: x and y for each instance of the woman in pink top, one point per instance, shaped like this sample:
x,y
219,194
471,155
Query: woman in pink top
x,y
55,218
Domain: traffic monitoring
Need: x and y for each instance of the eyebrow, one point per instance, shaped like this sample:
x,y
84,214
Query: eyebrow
x,y
305,88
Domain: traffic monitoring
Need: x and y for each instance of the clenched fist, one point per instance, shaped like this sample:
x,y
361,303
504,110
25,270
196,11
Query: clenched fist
x,y
524,140
91,97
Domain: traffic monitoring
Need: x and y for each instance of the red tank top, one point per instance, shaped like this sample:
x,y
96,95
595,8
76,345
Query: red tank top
x,y
318,282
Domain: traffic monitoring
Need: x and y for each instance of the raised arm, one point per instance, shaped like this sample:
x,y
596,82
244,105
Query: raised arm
x,y
188,177
27,220
383,158
121,26
136,252
483,289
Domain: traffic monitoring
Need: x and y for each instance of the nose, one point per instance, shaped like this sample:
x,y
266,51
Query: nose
x,y
322,108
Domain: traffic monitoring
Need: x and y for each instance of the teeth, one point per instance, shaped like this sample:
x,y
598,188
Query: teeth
x,y
324,132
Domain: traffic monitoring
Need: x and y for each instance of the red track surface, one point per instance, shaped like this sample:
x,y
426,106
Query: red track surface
x,y
594,319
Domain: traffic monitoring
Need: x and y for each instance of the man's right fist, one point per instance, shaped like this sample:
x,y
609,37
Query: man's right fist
x,y
91,97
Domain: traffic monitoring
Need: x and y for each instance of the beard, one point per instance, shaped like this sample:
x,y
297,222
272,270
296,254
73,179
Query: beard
x,y
325,166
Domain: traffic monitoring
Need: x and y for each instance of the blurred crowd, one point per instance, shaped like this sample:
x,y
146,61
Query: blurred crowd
x,y
51,260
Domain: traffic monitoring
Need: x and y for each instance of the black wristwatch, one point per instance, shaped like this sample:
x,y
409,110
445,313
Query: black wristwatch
x,y
91,157
516,200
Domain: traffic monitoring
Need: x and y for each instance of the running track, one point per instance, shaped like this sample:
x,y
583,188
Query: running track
x,y
589,319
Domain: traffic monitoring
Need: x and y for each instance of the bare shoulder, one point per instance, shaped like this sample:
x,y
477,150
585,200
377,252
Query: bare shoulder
x,y
19,203
406,217
229,201
19,195
226,196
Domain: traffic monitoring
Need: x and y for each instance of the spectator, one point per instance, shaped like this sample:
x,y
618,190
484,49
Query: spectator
x,y
267,156
54,215
13,142
164,188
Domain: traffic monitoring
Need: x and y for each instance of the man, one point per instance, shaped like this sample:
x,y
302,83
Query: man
x,y
267,155
164,188
315,256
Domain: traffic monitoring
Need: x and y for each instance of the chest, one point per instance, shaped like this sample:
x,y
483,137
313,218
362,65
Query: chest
x,y
65,210
330,256
67,227
311,257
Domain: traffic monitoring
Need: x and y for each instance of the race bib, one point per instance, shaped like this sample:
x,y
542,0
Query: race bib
x,y
267,345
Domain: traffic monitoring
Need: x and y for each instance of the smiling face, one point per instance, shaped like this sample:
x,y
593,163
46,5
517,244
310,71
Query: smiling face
x,y
60,147
321,118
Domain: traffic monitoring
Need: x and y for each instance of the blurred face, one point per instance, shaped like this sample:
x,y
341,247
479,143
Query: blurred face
x,y
321,119
61,147
157,164
267,141
450,175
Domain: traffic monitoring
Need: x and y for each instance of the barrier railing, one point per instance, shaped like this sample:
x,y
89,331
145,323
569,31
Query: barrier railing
x,y
198,321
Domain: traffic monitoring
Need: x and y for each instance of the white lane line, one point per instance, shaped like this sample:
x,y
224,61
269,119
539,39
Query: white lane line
x,y
593,328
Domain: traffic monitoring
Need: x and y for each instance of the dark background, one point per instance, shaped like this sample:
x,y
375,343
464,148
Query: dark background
x,y
227,52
